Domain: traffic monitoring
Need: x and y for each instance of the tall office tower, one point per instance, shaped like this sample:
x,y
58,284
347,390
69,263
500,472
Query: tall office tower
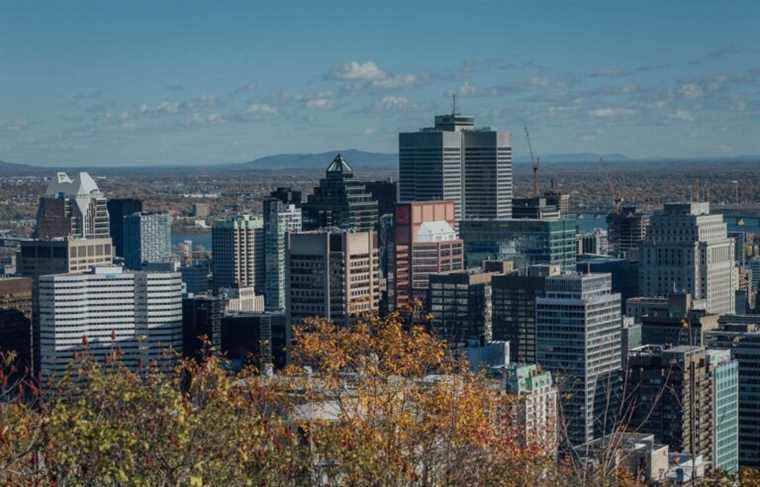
x,y
386,195
147,239
425,243
237,247
627,228
332,274
117,210
536,406
674,397
459,303
743,339
558,199
455,161
526,242
196,277
386,229
578,327
740,244
687,248
593,243
256,338
139,313
625,273
42,257
534,208
72,208
288,196
201,317
513,301
279,220
340,201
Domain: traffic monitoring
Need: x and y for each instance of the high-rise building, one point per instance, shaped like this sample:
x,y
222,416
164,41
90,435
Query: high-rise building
x,y
196,277
625,273
536,406
340,201
688,398
743,339
688,249
288,196
459,304
15,336
117,210
535,208
256,338
201,317
147,239
455,161
332,274
555,197
627,228
513,298
237,247
578,328
425,243
526,242
279,220
593,243
386,195
138,313
72,208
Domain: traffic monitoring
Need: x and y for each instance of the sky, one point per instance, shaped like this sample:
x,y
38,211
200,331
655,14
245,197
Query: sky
x,y
202,82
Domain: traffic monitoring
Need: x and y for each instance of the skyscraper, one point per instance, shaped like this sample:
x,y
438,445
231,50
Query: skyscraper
x,y
578,328
332,274
688,249
238,252
201,317
455,161
147,239
627,228
279,220
140,313
425,243
340,201
117,210
72,208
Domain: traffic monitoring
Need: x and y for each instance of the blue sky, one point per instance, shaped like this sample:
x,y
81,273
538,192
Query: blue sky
x,y
163,82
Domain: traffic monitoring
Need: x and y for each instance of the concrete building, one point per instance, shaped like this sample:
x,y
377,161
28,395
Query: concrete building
x,y
741,335
513,298
147,239
625,273
725,410
578,328
535,410
534,208
459,303
555,197
279,220
640,455
524,241
425,243
237,247
117,210
627,228
455,161
72,208
138,313
688,249
340,201
593,243
332,274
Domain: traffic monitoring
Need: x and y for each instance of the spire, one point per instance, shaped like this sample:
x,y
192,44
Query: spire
x,y
339,165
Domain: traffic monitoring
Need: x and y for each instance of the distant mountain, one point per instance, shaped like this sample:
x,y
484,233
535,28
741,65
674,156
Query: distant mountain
x,y
12,169
577,157
320,160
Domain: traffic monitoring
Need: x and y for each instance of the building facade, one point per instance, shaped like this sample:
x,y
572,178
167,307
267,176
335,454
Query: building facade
x,y
147,239
455,161
536,406
201,317
627,228
425,243
117,210
279,220
688,249
237,247
72,208
107,309
332,274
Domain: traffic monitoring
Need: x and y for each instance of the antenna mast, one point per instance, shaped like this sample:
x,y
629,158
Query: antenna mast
x,y
534,161
453,103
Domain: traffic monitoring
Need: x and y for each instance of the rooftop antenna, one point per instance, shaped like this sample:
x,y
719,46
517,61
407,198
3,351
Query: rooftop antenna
x,y
453,104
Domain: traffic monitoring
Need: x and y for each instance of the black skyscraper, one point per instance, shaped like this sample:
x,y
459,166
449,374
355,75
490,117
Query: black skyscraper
x,y
117,210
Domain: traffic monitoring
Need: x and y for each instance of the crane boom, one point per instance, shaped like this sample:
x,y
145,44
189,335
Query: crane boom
x,y
534,162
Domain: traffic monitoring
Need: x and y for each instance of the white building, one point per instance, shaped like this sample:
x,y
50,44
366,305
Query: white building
x,y
688,249
237,247
280,219
107,309
578,339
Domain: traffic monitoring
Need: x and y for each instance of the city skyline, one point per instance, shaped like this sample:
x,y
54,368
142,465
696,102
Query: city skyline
x,y
193,84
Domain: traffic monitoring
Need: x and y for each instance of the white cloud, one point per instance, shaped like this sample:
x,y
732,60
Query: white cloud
x,y
392,104
357,71
262,109
690,90
396,81
684,115
610,112
319,103
467,89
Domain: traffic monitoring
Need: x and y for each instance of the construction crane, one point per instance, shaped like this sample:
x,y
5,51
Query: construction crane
x,y
534,161
617,200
